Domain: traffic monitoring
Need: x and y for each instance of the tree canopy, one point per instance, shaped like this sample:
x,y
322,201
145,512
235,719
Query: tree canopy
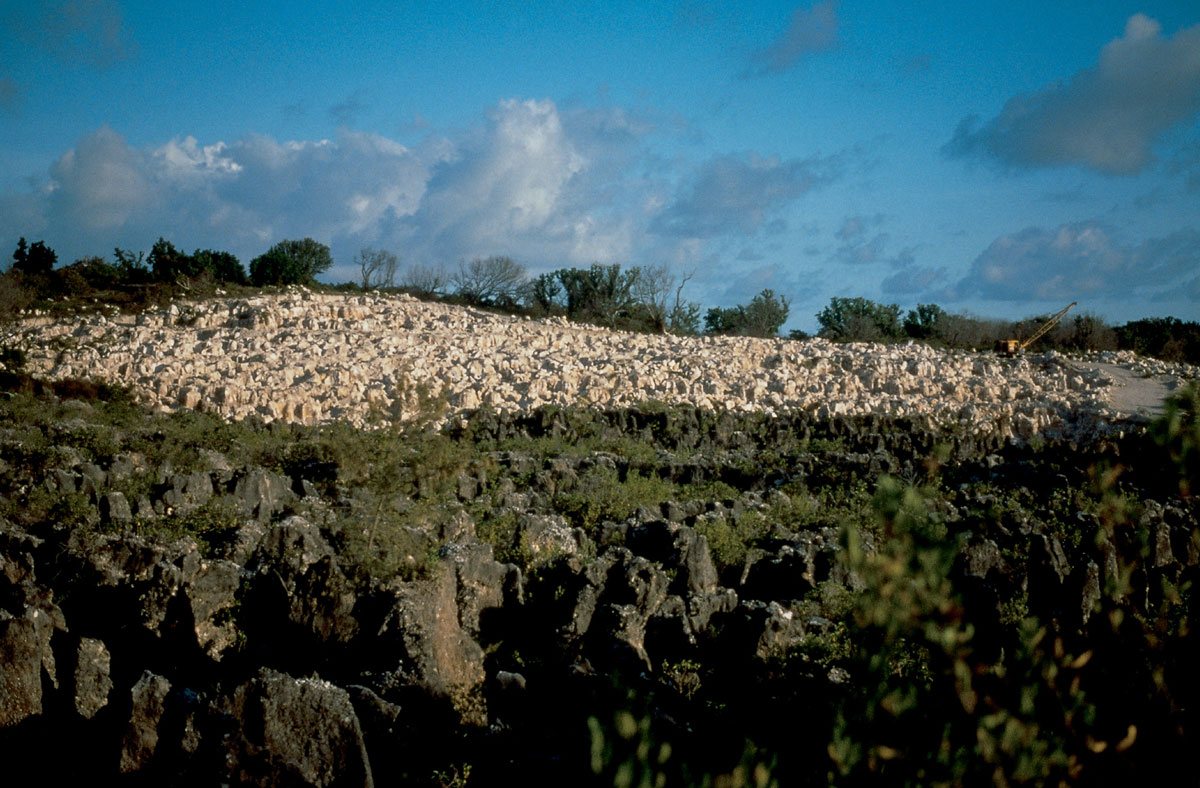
x,y
762,317
291,262
35,260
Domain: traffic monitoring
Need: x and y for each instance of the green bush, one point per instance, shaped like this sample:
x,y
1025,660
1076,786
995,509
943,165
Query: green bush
x,y
762,317
860,320
927,706
33,261
290,262
601,495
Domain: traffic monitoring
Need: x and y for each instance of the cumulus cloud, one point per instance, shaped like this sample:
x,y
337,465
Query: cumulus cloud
x,y
862,250
515,187
739,194
1186,162
101,183
811,30
863,244
548,187
1106,117
1083,260
860,244
239,196
853,227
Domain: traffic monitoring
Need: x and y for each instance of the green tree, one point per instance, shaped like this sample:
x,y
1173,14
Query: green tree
x,y
601,294
544,292
859,320
35,260
684,319
762,317
924,322
223,266
291,262
131,266
1089,332
170,264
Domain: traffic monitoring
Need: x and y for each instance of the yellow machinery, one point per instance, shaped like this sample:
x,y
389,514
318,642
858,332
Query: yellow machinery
x,y
1010,347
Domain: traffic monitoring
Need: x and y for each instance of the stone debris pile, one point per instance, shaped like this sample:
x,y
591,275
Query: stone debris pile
x,y
370,359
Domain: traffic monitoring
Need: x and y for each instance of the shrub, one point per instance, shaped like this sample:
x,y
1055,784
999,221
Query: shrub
x,y
762,317
601,496
1164,337
223,266
37,260
169,264
859,320
291,263
13,297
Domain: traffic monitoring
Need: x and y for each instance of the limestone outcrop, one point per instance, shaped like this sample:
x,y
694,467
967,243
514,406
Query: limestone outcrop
x,y
371,359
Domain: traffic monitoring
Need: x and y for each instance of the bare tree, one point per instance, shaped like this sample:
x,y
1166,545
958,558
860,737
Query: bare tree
x,y
424,281
490,282
667,311
684,317
652,289
378,268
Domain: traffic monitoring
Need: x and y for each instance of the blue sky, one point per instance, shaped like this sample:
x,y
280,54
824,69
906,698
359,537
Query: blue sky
x,y
997,158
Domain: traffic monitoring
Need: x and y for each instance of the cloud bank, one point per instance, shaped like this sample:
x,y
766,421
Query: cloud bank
x,y
1104,118
1081,260
547,186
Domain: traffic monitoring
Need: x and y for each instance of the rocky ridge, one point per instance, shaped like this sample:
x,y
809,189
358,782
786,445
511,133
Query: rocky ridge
x,y
315,358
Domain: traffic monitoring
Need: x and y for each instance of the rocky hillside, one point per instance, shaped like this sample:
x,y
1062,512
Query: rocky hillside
x,y
313,358
879,579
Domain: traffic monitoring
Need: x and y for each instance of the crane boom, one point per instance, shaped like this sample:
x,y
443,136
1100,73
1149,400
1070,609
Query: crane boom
x,y
1011,346
1049,324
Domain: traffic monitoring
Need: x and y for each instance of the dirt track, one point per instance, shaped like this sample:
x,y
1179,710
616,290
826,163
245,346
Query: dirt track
x,y
1132,392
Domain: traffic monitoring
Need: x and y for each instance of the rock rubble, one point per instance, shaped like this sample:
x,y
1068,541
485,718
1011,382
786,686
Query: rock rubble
x,y
313,358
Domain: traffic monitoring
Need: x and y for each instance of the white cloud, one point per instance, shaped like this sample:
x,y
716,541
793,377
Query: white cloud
x,y
1080,260
811,30
548,187
240,196
1107,117
100,184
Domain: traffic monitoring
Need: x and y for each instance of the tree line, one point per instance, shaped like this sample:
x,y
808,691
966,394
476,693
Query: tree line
x,y
863,320
635,298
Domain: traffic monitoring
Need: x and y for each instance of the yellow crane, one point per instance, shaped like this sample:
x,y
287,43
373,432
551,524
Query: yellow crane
x,y
1010,347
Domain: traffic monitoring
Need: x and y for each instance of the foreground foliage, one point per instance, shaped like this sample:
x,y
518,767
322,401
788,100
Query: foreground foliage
x,y
992,614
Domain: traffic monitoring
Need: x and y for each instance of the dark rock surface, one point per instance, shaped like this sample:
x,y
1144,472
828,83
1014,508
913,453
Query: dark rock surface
x,y
279,646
